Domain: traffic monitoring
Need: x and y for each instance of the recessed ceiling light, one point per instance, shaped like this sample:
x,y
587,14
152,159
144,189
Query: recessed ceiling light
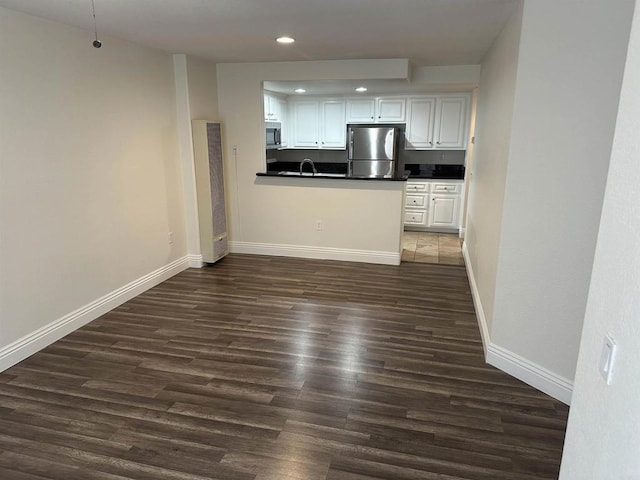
x,y
361,89
300,90
285,40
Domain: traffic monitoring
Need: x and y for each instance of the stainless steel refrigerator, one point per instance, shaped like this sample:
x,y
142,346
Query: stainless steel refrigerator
x,y
373,151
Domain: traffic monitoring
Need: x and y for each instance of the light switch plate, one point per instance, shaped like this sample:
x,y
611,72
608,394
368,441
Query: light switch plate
x,y
607,358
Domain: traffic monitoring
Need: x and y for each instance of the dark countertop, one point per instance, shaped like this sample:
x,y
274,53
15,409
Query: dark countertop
x,y
331,176
433,177
435,172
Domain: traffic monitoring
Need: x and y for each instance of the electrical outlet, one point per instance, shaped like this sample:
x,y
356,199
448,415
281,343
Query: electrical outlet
x,y
319,226
170,238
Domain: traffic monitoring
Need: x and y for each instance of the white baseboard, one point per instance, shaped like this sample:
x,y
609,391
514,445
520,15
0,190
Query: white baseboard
x,y
530,373
475,295
519,367
37,340
195,261
325,253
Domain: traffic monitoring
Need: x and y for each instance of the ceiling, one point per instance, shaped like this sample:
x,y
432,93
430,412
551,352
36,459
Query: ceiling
x,y
428,32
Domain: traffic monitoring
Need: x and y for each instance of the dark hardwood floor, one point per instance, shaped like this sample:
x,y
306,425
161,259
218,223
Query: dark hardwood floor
x,y
278,368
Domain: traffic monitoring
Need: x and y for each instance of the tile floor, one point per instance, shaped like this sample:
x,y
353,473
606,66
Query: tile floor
x,y
428,247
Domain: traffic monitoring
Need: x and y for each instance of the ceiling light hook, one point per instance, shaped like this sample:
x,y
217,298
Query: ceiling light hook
x,y
96,43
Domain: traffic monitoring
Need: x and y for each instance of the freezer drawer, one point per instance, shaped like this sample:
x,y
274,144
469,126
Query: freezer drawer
x,y
371,168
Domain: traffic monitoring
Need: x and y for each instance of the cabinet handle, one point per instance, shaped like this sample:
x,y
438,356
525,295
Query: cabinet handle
x,y
438,143
371,118
378,116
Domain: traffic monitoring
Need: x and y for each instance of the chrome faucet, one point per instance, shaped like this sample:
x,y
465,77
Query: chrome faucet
x,y
308,160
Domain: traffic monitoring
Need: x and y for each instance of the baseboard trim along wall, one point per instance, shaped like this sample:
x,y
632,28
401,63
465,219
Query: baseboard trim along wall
x,y
509,362
324,253
37,340
195,261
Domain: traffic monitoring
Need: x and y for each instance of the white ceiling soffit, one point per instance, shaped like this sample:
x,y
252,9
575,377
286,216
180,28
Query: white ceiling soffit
x,y
423,80
428,32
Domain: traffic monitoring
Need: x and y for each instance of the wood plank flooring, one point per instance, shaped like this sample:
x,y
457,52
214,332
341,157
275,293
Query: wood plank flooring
x,y
265,368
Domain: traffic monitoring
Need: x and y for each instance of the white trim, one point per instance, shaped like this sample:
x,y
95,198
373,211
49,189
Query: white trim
x,y
530,373
325,253
519,367
195,261
475,295
37,340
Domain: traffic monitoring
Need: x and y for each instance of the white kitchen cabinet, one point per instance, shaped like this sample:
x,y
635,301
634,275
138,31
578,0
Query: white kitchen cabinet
x,y
433,204
305,124
415,218
284,122
420,120
450,128
333,130
437,122
390,110
319,124
444,211
361,110
376,110
416,213
273,111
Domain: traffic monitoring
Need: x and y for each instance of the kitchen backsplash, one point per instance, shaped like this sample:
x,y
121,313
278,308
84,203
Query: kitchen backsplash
x,y
441,157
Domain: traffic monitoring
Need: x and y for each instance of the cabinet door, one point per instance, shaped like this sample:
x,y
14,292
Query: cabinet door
x,y
361,111
450,128
284,121
271,108
390,110
305,124
443,211
333,129
267,107
420,116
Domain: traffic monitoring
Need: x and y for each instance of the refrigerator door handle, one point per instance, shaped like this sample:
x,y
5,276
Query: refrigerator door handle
x,y
350,144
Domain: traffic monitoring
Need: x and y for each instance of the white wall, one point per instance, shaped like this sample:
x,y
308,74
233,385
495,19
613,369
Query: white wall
x,y
603,435
203,89
89,173
488,170
360,217
538,180
570,67
196,99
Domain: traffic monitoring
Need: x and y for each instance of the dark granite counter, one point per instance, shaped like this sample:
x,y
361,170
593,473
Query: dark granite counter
x,y
435,171
330,176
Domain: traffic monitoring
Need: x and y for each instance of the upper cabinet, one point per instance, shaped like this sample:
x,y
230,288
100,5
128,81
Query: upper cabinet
x,y
451,125
433,122
361,110
376,110
437,122
319,124
420,117
274,108
390,110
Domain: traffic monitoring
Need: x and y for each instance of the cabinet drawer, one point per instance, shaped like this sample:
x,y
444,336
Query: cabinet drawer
x,y
416,201
421,187
415,218
446,188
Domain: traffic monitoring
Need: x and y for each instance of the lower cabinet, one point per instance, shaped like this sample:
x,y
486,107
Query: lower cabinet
x,y
433,204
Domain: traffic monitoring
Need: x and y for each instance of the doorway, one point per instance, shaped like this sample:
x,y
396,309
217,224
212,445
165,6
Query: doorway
x,y
431,247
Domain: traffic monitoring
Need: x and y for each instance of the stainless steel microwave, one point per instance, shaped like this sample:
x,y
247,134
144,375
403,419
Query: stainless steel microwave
x,y
273,134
